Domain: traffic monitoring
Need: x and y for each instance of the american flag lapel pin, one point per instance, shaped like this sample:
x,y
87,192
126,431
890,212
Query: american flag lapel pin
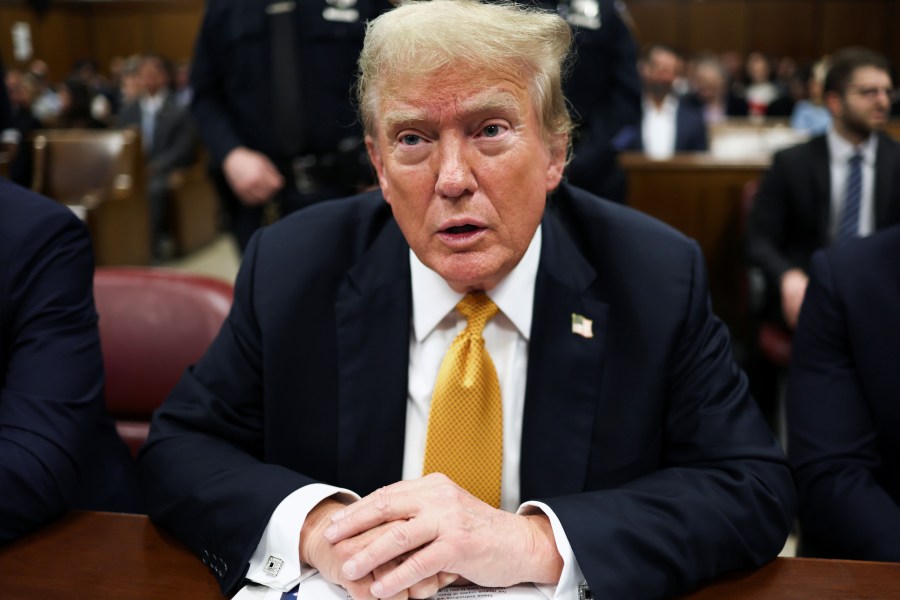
x,y
582,326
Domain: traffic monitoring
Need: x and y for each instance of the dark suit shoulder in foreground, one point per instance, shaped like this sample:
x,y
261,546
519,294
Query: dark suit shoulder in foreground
x,y
58,449
843,414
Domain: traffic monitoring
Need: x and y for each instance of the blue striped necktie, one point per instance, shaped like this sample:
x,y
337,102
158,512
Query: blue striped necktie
x,y
848,227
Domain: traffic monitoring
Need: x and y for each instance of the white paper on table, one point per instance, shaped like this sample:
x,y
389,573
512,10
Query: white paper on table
x,y
316,588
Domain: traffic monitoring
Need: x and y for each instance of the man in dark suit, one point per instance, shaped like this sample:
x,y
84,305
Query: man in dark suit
x,y
627,429
842,412
58,448
169,139
669,124
801,200
272,84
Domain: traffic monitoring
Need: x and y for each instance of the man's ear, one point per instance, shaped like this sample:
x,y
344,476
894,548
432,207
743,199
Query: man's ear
x,y
378,163
558,148
834,103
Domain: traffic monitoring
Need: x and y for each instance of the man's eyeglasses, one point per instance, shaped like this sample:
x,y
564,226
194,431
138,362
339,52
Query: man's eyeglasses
x,y
870,93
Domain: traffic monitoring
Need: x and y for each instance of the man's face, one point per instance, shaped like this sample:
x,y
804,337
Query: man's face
x,y
462,161
660,72
153,76
865,104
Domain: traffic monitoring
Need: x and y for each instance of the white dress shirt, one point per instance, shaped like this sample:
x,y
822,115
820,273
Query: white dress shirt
x,y
839,152
435,323
658,127
150,106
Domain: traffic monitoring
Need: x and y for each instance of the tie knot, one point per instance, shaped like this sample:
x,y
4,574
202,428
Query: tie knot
x,y
478,310
856,159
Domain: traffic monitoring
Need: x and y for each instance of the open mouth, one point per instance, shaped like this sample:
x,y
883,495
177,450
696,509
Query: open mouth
x,y
461,229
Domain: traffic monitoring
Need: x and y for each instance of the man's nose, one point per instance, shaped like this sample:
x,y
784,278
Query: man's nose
x,y
455,176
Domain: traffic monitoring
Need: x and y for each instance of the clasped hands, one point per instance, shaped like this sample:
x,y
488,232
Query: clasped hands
x,y
412,538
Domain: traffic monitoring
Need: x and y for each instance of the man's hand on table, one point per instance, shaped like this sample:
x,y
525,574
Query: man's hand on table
x,y
329,558
414,534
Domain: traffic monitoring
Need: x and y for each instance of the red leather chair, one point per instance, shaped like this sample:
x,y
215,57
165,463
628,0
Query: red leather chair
x,y
153,324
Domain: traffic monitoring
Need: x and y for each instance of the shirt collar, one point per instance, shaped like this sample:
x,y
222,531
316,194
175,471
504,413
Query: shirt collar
x,y
153,103
841,150
669,105
433,298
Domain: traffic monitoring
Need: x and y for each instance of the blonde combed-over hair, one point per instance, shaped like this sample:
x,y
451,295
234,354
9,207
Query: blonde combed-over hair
x,y
419,38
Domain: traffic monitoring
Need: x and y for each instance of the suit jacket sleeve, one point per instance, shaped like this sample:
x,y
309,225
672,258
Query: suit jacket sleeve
x,y
52,381
180,138
833,441
212,427
723,498
208,80
767,223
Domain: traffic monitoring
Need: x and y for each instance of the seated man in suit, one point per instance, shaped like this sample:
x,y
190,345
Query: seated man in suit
x,y
58,448
842,412
595,428
670,124
169,139
836,186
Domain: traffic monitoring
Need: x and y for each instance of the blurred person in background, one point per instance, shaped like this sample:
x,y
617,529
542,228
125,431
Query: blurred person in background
x,y
169,140
47,105
811,115
669,124
761,90
711,91
76,100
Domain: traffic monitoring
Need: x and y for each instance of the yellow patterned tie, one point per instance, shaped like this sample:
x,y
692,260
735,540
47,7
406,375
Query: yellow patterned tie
x,y
465,427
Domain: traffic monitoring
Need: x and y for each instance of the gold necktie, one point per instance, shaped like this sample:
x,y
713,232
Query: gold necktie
x,y
465,427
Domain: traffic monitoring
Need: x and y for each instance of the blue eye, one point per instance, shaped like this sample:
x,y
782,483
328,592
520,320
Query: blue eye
x,y
410,139
492,131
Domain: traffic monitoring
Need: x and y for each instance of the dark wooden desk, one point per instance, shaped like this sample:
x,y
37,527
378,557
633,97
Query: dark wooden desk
x,y
701,196
112,556
102,556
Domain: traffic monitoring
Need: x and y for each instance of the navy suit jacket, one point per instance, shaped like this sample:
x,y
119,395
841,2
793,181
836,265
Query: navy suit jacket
x,y
843,410
58,448
643,440
790,217
690,130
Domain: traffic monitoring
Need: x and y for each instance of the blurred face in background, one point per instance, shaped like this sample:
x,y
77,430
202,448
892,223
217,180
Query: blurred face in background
x,y
709,83
660,71
153,76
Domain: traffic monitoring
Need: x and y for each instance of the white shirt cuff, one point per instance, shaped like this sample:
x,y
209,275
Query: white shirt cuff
x,y
276,561
571,575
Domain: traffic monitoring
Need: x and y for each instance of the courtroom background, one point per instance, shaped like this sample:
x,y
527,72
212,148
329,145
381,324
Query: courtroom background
x,y
802,29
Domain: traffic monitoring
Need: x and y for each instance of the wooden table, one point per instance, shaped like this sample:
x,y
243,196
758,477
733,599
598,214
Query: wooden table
x,y
103,556
700,195
112,556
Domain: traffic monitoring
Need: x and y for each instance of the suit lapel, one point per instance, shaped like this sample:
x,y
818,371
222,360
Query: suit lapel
x,y
821,166
885,164
564,369
373,310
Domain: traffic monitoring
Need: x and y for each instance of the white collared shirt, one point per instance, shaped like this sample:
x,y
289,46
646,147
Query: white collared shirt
x,y
658,128
435,323
839,153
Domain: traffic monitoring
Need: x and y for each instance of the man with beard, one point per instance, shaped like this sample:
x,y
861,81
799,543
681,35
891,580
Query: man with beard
x,y
837,186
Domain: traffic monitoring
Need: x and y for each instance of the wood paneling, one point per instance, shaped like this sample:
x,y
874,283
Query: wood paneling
x,y
118,34
804,29
784,28
173,32
730,24
657,22
856,23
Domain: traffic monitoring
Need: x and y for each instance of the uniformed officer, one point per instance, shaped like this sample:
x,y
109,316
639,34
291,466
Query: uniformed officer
x,y
272,84
604,89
